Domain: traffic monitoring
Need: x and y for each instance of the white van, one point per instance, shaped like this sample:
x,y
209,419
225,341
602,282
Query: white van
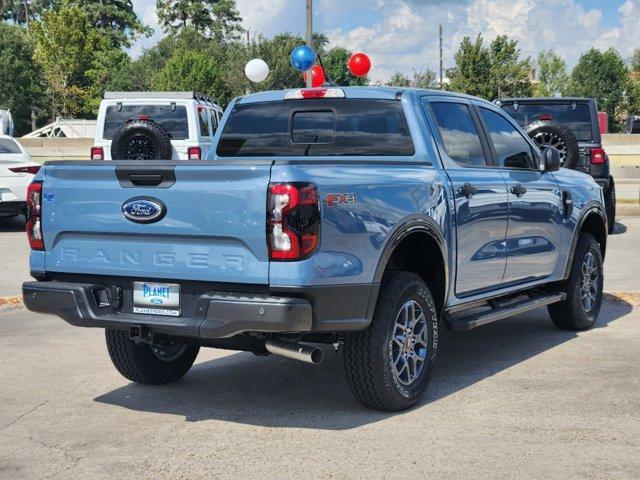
x,y
155,126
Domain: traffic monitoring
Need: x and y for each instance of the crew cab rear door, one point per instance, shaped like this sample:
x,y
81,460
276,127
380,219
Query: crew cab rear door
x,y
99,218
480,195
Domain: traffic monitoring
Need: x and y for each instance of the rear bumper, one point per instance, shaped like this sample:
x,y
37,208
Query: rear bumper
x,y
207,315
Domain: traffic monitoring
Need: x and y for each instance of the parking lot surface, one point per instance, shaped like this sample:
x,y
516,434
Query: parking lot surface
x,y
514,399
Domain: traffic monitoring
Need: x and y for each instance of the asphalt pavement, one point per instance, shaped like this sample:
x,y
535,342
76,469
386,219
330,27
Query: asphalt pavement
x,y
514,399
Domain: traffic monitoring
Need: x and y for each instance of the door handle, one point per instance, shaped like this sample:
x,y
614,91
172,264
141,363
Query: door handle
x,y
467,190
145,180
518,190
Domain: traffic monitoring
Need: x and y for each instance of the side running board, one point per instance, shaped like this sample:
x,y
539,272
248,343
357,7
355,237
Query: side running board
x,y
482,318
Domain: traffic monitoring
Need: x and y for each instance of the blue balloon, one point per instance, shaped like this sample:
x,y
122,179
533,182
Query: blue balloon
x,y
303,58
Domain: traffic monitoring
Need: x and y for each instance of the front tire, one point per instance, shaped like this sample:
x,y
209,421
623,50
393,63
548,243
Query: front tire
x,y
389,365
147,364
579,311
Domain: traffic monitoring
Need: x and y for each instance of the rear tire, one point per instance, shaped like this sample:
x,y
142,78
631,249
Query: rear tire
x,y
389,365
610,206
141,140
579,311
142,363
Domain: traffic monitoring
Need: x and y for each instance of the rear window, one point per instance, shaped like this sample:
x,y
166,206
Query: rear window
x,y
578,120
174,121
8,145
316,127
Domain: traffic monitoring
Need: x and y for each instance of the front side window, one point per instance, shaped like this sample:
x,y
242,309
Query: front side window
x,y
512,150
459,133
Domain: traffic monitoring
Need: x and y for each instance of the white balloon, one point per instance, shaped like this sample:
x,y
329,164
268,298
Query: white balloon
x,y
256,70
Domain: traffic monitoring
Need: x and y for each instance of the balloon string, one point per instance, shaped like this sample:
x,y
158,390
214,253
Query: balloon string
x,y
327,78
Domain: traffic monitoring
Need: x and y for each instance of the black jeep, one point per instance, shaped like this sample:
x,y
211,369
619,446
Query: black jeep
x,y
571,126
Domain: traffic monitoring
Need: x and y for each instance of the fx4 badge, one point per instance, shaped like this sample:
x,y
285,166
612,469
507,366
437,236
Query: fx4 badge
x,y
334,199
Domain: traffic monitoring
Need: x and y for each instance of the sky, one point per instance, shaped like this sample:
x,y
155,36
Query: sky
x,y
402,35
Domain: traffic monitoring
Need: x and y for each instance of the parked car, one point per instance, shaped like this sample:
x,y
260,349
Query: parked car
x,y
16,173
570,125
155,126
358,217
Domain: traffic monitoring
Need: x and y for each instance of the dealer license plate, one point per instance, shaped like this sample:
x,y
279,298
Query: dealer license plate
x,y
151,298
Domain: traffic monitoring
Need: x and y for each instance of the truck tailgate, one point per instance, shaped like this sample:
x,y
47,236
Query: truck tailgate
x,y
214,227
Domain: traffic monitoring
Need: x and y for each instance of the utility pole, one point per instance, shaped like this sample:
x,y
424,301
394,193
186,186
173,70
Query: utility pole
x,y
309,35
440,36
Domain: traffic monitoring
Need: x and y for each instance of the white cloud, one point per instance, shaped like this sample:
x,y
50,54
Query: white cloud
x,y
403,34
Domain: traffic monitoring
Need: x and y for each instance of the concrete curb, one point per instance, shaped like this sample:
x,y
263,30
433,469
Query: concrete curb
x,y
14,302
628,210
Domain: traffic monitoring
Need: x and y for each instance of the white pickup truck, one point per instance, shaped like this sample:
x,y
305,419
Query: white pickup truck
x,y
155,126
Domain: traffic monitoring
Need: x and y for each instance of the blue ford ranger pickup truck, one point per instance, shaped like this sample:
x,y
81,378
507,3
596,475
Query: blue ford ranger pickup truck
x,y
364,218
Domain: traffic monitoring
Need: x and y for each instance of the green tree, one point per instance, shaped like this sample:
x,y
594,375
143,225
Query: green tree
x,y
217,18
491,72
552,73
335,65
472,71
634,63
22,12
116,18
194,70
605,77
509,74
399,79
419,79
21,81
66,48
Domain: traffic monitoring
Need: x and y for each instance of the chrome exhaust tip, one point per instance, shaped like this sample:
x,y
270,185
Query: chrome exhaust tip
x,y
295,351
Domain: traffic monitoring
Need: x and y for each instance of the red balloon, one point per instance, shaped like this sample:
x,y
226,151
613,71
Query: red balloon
x,y
317,76
359,64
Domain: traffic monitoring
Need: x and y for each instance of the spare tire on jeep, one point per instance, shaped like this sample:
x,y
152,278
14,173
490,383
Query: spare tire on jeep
x,y
550,134
141,140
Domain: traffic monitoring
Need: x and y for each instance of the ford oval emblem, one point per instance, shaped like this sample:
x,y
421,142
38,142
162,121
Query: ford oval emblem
x,y
143,210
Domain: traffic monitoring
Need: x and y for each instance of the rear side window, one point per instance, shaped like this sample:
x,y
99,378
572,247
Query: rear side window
x,y
214,120
512,150
578,120
204,122
8,145
316,127
459,133
173,120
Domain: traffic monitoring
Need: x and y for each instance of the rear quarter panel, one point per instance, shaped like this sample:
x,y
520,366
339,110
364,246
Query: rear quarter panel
x,y
354,234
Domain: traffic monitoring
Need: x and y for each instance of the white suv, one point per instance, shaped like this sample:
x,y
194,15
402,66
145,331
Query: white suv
x,y
155,126
16,172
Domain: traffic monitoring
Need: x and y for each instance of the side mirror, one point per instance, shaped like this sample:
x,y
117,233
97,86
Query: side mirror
x,y
550,160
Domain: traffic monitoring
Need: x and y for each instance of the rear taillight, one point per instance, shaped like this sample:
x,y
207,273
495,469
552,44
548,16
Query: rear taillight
x,y
97,153
303,93
194,153
597,156
34,224
293,221
33,169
